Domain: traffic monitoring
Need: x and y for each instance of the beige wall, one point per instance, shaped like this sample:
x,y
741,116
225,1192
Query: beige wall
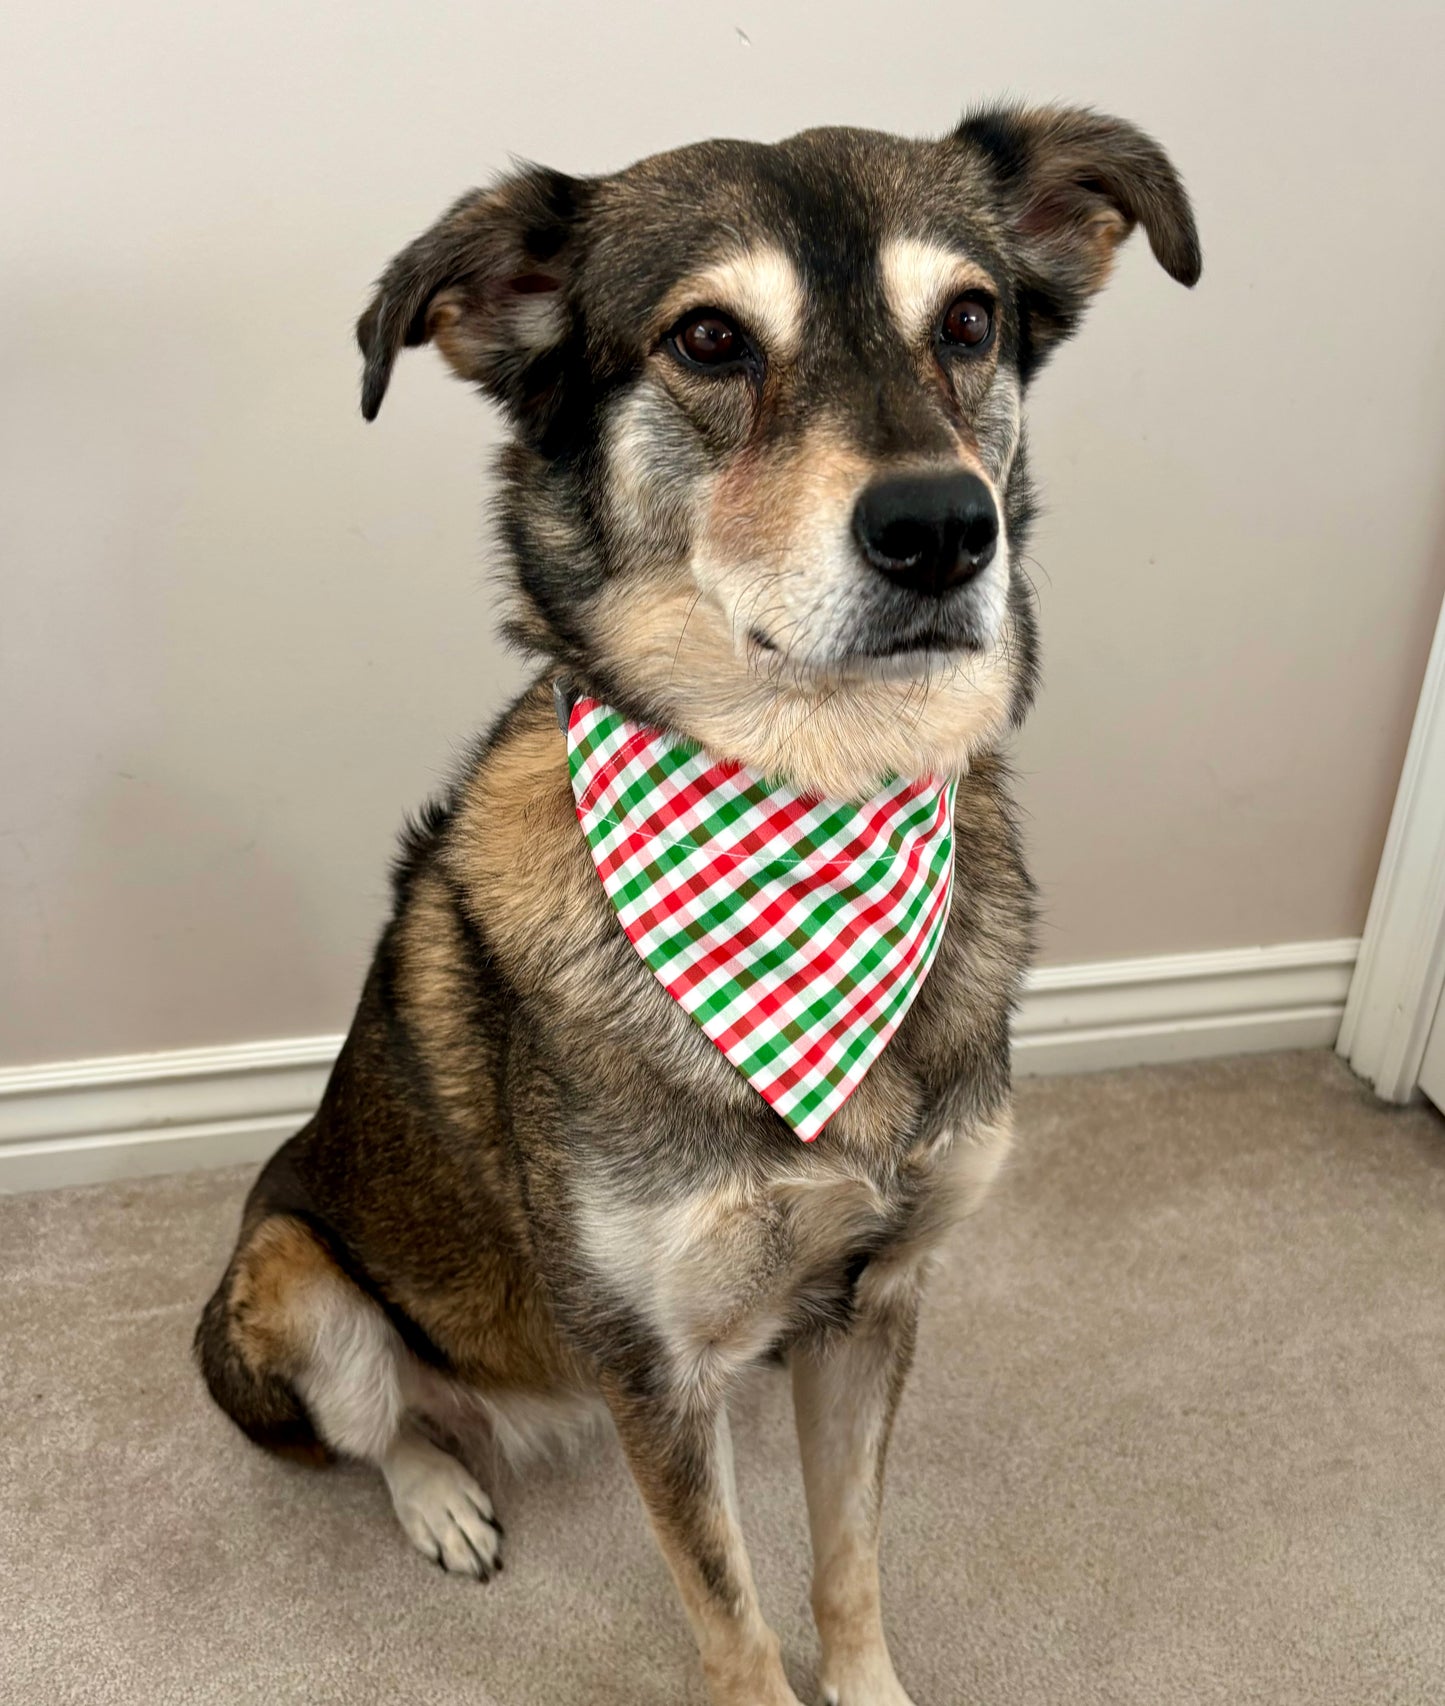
x,y
241,632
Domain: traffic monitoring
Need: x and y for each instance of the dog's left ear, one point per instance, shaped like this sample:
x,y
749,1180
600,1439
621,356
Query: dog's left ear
x,y
1071,185
489,282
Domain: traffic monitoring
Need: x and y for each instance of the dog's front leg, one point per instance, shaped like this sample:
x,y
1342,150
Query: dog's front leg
x,y
845,1392
680,1454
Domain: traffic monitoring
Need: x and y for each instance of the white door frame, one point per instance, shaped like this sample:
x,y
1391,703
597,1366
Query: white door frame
x,y
1401,969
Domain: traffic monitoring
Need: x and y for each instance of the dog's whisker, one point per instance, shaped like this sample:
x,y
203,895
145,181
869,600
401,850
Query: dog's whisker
x,y
682,635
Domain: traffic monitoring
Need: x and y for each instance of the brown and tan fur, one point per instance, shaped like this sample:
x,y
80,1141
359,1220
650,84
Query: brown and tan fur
x,y
534,1190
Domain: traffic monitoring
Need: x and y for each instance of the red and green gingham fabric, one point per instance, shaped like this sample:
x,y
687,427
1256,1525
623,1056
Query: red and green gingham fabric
x,y
796,931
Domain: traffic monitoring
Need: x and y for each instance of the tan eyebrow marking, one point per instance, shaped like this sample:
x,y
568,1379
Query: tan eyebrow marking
x,y
921,276
759,285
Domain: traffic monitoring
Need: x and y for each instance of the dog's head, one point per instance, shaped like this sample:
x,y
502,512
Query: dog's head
x,y
766,484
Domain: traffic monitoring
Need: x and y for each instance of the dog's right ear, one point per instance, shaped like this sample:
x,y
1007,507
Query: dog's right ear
x,y
489,282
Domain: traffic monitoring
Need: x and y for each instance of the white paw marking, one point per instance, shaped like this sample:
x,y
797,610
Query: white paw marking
x,y
877,1688
444,1512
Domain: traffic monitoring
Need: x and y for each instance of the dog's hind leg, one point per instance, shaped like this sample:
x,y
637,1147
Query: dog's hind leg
x,y
288,1336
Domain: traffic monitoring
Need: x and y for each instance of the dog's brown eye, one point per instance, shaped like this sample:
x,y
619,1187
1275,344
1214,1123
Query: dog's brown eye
x,y
709,339
968,320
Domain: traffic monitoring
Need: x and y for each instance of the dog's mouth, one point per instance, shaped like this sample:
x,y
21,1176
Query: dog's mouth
x,y
916,645
914,652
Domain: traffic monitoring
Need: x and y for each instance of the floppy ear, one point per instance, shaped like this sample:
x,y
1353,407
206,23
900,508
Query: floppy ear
x,y
1071,185
489,282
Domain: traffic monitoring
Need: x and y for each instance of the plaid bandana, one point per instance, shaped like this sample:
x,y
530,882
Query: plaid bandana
x,y
795,931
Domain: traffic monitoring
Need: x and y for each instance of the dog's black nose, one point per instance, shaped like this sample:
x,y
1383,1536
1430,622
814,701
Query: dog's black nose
x,y
927,532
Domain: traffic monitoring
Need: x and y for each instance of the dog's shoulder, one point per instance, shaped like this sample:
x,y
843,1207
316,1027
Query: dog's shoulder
x,y
515,857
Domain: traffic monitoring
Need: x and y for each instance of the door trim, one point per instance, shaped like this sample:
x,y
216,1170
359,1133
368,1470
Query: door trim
x,y
1401,969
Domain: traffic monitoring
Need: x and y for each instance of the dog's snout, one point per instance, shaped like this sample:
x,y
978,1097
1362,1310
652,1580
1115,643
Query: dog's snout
x,y
927,532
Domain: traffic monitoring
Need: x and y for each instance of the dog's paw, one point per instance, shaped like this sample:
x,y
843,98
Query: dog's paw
x,y
877,1687
443,1510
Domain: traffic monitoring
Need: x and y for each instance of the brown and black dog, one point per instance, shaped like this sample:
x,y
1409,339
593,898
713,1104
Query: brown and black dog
x,y
765,489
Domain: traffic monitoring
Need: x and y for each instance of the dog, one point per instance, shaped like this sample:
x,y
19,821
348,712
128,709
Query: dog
x,y
766,491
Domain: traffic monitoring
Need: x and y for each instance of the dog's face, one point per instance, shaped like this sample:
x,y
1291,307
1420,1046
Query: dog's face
x,y
767,484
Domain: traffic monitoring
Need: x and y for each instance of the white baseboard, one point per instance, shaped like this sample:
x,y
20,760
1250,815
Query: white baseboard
x,y
80,1122
1183,1007
86,1121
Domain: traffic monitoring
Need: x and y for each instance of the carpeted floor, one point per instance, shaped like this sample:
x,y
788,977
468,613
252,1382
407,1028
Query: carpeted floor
x,y
1176,1435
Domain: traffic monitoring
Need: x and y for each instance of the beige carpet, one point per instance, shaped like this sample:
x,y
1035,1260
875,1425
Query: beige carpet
x,y
1177,1435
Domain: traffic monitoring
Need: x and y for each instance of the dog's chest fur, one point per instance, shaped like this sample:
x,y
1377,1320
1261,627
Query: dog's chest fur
x,y
676,1197
723,1270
